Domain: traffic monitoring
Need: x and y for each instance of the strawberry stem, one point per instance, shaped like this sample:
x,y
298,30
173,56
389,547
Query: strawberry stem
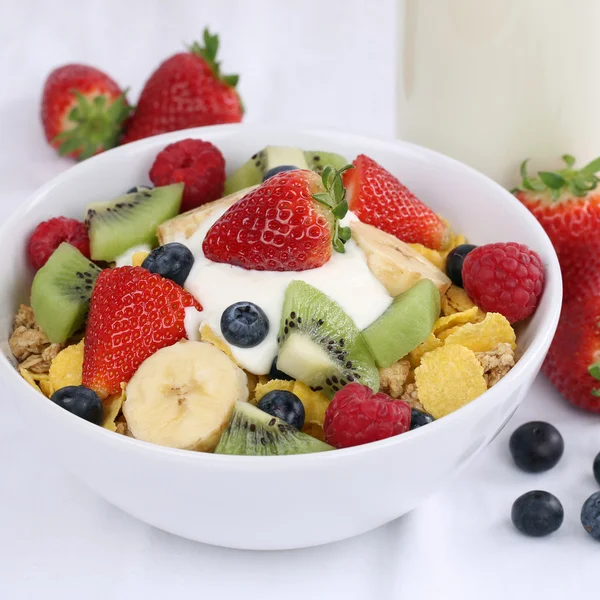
x,y
208,52
334,197
576,181
96,125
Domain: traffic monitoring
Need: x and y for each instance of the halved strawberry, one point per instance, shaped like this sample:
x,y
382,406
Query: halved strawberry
x,y
379,199
289,223
133,313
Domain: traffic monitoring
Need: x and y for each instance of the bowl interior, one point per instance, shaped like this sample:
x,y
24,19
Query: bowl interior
x,y
472,203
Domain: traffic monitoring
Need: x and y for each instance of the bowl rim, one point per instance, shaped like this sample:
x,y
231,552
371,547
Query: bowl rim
x,y
540,340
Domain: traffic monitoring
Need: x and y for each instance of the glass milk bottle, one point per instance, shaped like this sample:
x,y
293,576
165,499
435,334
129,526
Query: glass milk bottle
x,y
492,82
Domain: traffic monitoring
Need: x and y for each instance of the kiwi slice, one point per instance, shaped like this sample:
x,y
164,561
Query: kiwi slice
x,y
253,432
405,324
253,170
320,345
61,290
130,220
317,161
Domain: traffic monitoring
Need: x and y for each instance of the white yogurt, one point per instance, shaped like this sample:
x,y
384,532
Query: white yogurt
x,y
345,278
126,258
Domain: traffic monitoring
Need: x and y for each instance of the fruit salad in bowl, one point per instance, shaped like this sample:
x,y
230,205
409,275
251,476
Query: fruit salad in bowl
x,y
189,304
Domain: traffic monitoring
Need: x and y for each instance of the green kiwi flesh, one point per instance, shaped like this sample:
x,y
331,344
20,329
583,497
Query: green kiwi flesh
x,y
407,322
253,432
130,220
252,171
60,293
320,345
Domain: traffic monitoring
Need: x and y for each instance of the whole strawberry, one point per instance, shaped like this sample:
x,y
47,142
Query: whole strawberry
x,y
379,199
187,90
289,223
567,205
198,164
506,278
133,313
358,416
83,111
572,363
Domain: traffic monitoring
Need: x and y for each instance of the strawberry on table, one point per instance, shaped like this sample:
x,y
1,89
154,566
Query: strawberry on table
x,y
198,164
379,199
83,111
572,363
187,90
49,235
294,219
567,205
133,313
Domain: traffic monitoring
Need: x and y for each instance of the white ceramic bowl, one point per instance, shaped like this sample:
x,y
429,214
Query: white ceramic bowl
x,y
279,502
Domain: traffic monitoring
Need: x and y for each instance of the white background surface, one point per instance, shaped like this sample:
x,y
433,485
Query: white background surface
x,y
326,62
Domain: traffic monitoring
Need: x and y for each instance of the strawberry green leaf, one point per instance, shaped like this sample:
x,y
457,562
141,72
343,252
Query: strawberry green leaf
x,y
594,370
208,53
553,180
591,168
341,210
569,160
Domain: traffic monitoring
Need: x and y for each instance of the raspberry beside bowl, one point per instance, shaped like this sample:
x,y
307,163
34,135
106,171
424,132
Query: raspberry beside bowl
x,y
336,495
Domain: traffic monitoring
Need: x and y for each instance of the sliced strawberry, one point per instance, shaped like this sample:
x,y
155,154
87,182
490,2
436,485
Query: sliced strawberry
x,y
133,313
379,199
49,235
83,111
289,223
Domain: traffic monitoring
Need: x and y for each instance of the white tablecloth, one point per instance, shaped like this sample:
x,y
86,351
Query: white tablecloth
x,y
312,61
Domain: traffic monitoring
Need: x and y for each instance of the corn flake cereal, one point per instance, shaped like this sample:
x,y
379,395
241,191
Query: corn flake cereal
x,y
447,332
112,407
431,343
485,335
315,403
208,335
456,300
448,378
138,258
46,387
29,378
433,256
459,318
67,367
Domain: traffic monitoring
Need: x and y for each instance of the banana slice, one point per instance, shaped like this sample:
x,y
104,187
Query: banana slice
x,y
397,266
183,396
183,226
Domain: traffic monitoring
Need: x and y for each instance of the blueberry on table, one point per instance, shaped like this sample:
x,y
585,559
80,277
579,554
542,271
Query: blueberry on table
x,y
173,261
597,468
418,418
80,401
454,262
536,446
279,169
244,324
285,406
275,373
537,513
590,515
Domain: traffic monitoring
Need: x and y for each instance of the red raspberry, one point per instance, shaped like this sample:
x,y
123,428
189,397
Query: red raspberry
x,y
504,278
356,416
198,164
49,235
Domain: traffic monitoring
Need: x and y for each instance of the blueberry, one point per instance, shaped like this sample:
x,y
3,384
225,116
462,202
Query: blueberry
x,y
275,373
285,406
173,261
418,418
597,467
138,188
244,324
537,513
454,262
279,169
536,446
590,515
80,401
